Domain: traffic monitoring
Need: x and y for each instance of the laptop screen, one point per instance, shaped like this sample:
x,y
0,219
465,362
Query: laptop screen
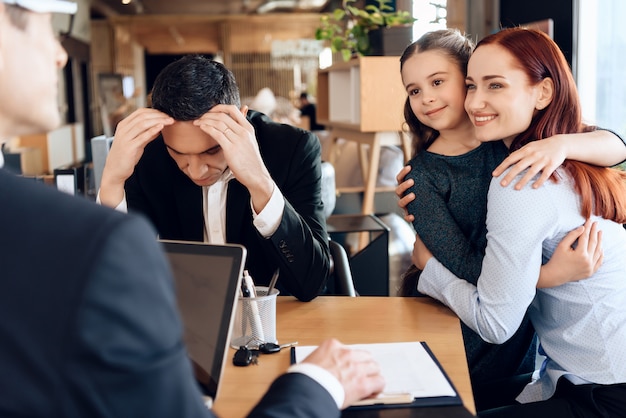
x,y
207,279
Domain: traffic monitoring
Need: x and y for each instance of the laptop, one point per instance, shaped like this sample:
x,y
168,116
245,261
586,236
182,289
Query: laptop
x,y
207,281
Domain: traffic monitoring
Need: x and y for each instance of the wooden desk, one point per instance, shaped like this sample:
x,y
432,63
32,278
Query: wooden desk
x,y
351,321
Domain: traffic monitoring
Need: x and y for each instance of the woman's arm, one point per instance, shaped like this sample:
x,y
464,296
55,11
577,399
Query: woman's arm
x,y
518,222
578,256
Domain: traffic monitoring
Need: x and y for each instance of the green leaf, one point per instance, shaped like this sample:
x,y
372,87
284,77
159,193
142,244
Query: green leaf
x,y
339,14
346,28
346,54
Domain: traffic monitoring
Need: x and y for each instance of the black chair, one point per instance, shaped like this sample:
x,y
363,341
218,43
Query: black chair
x,y
344,285
341,271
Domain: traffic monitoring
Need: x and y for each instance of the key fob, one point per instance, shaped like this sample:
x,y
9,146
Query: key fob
x,y
242,357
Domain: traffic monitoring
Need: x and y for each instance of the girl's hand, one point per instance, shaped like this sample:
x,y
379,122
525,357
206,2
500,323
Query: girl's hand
x,y
403,186
542,156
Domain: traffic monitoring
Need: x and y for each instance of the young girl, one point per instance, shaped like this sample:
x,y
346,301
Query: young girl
x,y
450,176
520,89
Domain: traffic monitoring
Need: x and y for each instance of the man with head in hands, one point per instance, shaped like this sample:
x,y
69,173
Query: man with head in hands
x,y
88,318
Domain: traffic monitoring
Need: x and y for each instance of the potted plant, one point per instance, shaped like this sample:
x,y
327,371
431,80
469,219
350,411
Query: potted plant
x,y
349,29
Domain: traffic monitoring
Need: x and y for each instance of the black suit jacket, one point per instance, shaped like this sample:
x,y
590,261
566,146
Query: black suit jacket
x,y
299,247
88,318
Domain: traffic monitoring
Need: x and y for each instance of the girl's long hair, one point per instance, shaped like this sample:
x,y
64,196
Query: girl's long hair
x,y
454,45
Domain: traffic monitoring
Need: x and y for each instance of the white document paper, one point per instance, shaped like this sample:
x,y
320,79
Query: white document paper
x,y
406,366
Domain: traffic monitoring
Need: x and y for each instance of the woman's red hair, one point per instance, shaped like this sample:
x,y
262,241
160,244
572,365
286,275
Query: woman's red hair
x,y
602,190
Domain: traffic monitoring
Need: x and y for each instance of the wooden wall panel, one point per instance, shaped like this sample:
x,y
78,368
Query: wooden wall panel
x,y
183,34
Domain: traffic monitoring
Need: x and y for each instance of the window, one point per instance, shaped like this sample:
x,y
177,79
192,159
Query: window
x,y
430,14
600,61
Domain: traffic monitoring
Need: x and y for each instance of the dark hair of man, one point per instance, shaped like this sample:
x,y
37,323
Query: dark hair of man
x,y
18,16
189,87
455,46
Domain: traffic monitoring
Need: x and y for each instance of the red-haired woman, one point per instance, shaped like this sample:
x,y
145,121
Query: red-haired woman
x,y
520,89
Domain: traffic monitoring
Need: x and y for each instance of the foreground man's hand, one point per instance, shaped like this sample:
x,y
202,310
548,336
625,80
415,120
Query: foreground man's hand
x,y
356,370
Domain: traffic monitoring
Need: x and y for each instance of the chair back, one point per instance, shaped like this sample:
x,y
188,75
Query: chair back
x,y
344,285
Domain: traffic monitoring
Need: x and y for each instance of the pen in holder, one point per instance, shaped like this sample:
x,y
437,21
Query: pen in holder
x,y
255,319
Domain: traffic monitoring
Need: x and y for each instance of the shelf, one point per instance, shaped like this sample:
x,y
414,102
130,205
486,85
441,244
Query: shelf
x,y
364,94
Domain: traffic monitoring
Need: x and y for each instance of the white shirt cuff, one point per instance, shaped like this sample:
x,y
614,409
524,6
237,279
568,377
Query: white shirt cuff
x,y
324,378
268,220
121,207
433,279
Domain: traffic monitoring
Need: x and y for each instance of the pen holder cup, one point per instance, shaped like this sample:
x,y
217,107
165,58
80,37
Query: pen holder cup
x,y
255,319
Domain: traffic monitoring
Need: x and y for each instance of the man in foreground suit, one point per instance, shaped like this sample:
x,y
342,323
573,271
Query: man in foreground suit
x,y
202,168
88,321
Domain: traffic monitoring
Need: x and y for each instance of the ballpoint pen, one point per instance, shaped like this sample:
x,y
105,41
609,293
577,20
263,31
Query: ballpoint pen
x,y
273,282
244,293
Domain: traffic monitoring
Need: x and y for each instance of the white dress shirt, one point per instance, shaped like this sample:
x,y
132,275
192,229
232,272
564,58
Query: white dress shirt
x,y
581,325
214,210
266,222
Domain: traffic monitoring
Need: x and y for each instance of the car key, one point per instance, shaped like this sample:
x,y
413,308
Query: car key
x,y
269,348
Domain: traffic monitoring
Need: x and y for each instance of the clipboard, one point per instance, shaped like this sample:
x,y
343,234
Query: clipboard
x,y
406,400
